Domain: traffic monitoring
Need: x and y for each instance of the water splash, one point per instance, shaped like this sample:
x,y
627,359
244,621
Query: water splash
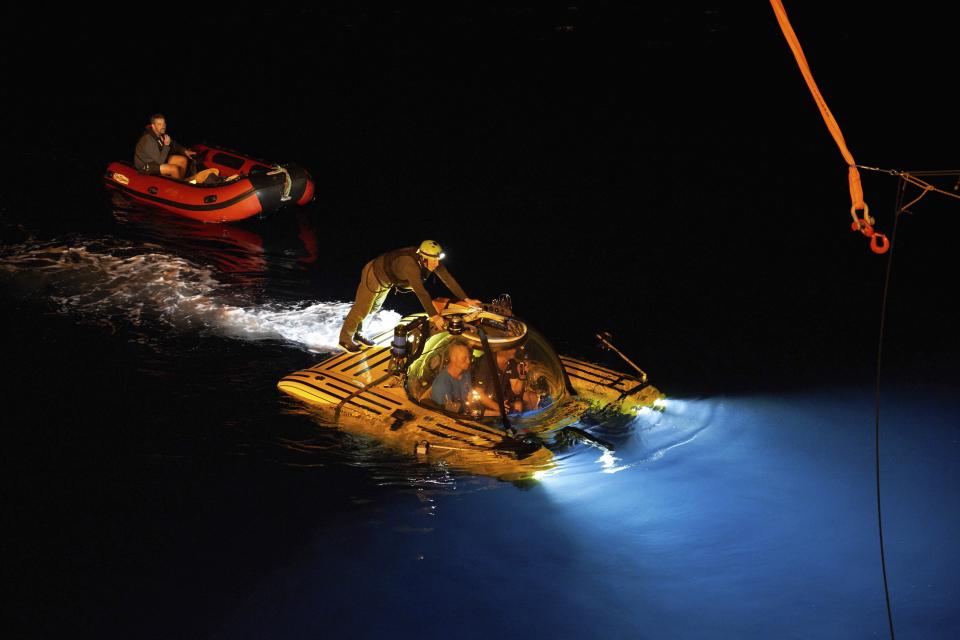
x,y
315,326
124,286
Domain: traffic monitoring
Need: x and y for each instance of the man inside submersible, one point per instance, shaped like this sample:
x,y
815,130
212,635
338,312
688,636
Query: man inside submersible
x,y
453,387
517,393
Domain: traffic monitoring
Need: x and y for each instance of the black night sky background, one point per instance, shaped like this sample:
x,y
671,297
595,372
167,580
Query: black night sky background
x,y
658,170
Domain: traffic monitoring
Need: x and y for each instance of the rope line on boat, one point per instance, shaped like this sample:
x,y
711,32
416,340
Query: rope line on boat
x,y
287,182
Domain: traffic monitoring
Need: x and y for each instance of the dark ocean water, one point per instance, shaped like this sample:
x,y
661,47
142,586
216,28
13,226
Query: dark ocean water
x,y
662,174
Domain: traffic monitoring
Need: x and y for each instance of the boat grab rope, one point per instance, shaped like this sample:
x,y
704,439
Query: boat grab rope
x,y
287,182
878,242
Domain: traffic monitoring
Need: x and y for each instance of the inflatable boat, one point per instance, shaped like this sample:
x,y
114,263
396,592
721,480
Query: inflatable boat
x,y
383,392
244,188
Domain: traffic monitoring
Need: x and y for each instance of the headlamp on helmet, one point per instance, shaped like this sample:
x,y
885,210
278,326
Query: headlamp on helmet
x,y
431,249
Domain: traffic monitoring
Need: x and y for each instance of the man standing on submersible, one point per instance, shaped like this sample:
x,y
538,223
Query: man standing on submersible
x,y
404,269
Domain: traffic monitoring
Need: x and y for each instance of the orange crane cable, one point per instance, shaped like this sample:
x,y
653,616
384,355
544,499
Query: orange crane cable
x,y
865,225
828,118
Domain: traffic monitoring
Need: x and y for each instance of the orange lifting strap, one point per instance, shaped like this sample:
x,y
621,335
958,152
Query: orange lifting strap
x,y
878,241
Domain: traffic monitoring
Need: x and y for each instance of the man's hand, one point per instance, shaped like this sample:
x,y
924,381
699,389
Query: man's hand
x,y
438,322
189,153
166,139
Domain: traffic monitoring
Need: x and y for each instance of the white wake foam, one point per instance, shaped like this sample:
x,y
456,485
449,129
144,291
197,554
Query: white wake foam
x,y
150,289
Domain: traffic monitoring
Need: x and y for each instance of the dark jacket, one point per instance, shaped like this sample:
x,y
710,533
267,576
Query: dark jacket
x,y
401,269
151,152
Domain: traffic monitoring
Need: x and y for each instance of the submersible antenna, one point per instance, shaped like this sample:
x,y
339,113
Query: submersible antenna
x,y
605,338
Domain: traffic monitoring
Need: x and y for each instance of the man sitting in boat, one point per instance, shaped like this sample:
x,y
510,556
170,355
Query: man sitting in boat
x,y
157,154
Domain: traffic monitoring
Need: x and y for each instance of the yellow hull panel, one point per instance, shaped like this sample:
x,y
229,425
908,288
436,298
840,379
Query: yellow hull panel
x,y
608,389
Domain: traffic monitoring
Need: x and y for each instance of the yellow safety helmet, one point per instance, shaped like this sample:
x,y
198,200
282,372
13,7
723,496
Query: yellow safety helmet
x,y
431,249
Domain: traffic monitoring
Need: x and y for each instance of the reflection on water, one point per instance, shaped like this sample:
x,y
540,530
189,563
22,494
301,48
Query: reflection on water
x,y
330,446
231,249
242,251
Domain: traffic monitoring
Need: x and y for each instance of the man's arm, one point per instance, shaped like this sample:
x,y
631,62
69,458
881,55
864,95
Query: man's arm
x,y
177,148
447,278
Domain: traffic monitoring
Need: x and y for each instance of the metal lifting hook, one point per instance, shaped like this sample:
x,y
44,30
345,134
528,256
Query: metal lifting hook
x,y
878,242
